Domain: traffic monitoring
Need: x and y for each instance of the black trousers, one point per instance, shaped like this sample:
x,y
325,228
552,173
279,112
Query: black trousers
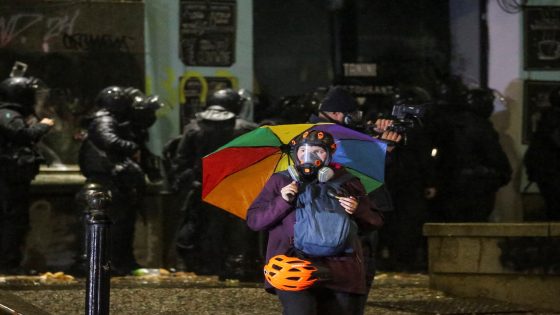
x,y
550,191
14,222
319,301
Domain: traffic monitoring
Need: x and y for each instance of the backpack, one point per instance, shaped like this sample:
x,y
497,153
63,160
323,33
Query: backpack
x,y
322,226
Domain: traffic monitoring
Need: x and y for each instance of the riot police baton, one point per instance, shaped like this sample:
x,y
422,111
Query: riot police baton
x,y
98,285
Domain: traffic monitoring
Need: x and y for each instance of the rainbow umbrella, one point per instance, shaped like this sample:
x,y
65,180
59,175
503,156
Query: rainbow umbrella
x,y
235,174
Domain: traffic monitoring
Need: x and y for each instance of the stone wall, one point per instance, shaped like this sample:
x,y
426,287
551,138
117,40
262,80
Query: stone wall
x,y
517,263
54,237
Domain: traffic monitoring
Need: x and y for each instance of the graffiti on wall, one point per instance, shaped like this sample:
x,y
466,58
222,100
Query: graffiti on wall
x,y
77,49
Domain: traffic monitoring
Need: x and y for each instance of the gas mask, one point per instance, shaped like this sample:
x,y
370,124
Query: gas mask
x,y
353,118
310,165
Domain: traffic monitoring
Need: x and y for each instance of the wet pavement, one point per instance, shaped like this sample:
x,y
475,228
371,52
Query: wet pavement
x,y
186,293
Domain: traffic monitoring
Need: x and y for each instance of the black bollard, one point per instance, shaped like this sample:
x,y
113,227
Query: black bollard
x,y
99,269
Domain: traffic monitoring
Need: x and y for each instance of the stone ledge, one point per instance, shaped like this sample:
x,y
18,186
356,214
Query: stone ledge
x,y
533,291
492,229
68,179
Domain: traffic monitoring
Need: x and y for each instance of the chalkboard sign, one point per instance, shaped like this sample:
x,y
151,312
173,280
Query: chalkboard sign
x,y
207,32
535,100
542,38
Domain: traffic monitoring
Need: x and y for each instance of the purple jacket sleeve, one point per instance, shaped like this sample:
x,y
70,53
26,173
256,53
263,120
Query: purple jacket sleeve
x,y
269,208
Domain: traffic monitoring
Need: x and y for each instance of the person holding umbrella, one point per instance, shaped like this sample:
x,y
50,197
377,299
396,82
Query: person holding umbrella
x,y
274,211
340,107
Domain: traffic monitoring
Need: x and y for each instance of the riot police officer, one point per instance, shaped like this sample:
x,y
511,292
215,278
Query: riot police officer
x,y
114,157
110,156
209,240
19,163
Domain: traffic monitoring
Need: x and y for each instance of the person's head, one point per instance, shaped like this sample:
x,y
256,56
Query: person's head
x,y
143,108
554,97
410,95
116,100
339,106
311,151
480,101
223,104
228,99
28,92
450,90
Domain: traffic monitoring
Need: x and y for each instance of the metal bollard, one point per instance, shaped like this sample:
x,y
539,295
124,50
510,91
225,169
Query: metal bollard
x,y
98,285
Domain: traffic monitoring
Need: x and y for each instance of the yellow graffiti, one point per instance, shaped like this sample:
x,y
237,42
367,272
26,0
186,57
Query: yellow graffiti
x,y
149,85
189,75
169,87
170,96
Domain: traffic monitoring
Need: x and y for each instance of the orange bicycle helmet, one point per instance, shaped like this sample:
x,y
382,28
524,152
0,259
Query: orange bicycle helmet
x,y
289,273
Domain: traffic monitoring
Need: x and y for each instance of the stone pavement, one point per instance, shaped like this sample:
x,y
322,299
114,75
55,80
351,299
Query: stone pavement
x,y
393,293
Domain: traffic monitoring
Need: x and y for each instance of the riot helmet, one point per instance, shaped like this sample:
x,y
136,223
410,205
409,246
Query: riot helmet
x,y
450,91
25,91
311,151
115,99
480,101
133,92
222,105
228,99
144,110
413,95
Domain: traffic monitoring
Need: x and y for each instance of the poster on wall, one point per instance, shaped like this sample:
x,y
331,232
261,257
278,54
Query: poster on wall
x,y
535,101
207,32
541,28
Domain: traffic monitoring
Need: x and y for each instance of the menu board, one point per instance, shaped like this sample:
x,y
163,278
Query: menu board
x,y
207,32
542,37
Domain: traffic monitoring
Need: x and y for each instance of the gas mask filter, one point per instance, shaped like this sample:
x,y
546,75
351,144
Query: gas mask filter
x,y
353,118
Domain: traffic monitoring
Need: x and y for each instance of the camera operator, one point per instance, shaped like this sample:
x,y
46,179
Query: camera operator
x,y
210,241
409,179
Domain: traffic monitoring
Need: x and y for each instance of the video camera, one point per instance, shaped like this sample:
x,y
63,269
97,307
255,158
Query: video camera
x,y
404,117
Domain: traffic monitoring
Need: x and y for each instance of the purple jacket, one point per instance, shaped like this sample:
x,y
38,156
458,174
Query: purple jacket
x,y
270,212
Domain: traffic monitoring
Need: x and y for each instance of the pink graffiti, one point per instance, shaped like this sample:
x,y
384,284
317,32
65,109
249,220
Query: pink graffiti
x,y
15,26
12,27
